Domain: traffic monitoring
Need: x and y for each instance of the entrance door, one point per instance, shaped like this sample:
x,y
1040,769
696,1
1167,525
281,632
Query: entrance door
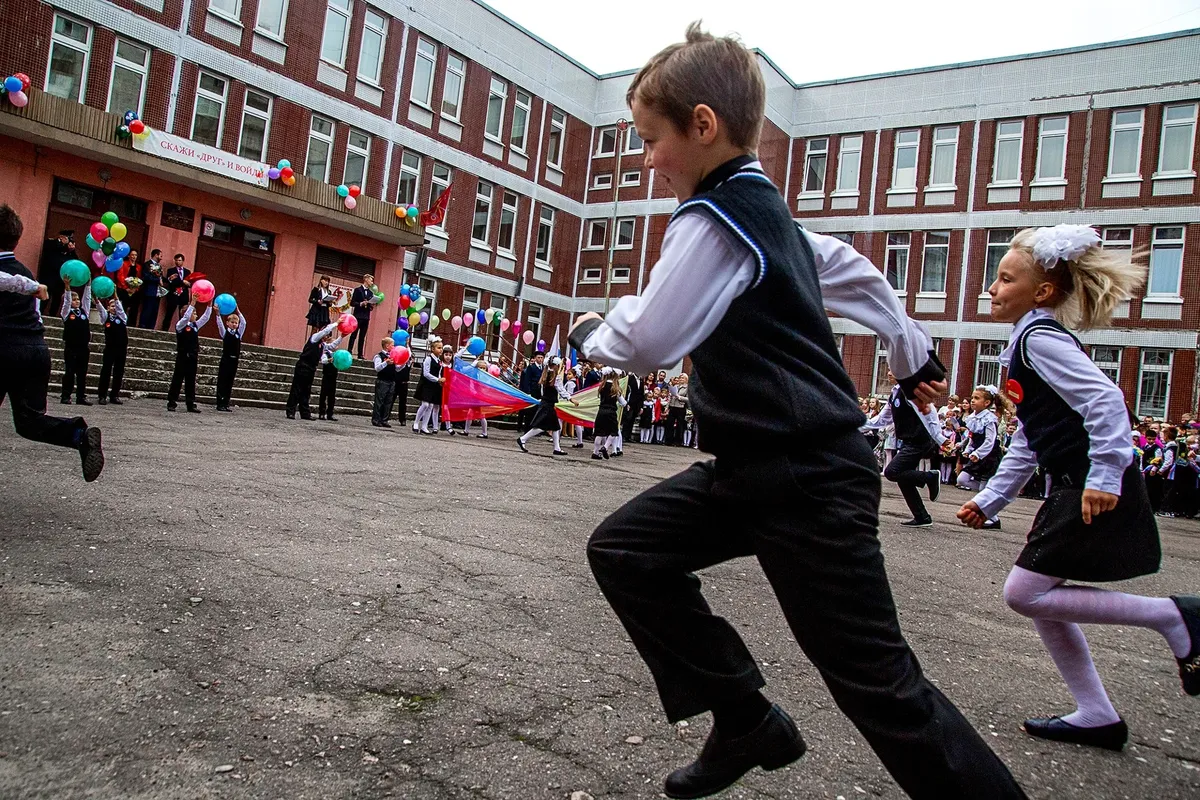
x,y
242,273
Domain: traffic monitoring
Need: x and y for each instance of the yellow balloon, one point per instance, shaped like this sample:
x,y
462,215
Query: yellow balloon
x,y
118,231
433,323
414,319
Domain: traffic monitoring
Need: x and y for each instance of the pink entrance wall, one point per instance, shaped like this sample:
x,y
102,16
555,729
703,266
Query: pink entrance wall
x,y
27,180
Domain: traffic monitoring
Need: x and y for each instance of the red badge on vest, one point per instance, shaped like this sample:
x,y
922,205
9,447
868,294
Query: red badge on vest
x,y
1014,391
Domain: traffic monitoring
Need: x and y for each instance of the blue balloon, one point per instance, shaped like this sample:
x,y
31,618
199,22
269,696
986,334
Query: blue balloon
x,y
405,288
283,163
415,293
475,346
121,250
400,337
226,304
480,317
130,116
12,84
113,264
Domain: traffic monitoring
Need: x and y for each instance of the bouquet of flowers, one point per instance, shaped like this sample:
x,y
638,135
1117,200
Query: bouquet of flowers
x,y
133,283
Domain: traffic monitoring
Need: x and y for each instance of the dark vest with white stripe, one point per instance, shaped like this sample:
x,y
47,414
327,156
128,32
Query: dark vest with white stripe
x,y
769,378
1052,426
910,429
388,373
19,320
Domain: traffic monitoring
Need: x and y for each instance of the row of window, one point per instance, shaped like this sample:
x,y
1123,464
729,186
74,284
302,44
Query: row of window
x,y
1176,146
472,302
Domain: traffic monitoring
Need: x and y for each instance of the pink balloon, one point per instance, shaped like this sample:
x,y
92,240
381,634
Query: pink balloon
x,y
516,326
98,258
505,324
350,203
527,337
456,322
494,371
203,291
18,99
347,324
467,319
400,355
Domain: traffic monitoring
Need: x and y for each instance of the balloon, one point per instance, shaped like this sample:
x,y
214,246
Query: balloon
x,y
415,292
122,249
496,319
24,79
402,323
226,304
399,212
286,172
108,246
136,127
424,318
18,99
456,322
355,191
92,243
103,288
405,289
505,324
404,302
75,271
419,303
411,212
98,258
347,324
400,338
342,360
273,173
541,345
203,291
446,314
284,164
516,326
414,319
489,315
118,231
113,263
433,323
129,116
350,203
476,346
109,219
467,320
400,356
527,337
343,190
289,180
99,232
494,370
378,295
123,132
13,84
480,316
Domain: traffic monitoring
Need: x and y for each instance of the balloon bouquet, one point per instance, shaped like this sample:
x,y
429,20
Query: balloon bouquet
x,y
15,87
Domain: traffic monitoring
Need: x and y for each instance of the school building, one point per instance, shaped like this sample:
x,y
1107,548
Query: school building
x,y
927,172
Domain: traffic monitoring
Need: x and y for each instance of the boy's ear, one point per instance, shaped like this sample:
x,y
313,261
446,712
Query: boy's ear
x,y
705,123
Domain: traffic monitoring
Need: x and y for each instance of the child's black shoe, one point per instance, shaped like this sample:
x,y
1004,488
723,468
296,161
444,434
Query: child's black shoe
x,y
102,401
1189,665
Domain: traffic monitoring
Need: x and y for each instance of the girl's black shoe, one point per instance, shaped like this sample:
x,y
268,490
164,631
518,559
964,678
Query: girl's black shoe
x,y
1189,665
1108,737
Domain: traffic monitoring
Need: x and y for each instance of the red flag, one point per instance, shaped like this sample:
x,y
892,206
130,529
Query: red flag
x,y
435,215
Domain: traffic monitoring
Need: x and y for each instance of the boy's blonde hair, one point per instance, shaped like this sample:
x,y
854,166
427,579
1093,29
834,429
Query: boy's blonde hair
x,y
716,71
387,340
1089,288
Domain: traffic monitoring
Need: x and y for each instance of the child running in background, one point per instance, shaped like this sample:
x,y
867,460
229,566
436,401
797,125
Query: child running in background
x,y
545,418
982,453
77,337
116,348
607,428
1096,524
187,357
231,329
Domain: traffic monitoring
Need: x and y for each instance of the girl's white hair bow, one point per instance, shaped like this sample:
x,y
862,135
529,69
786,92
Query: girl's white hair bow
x,y
1062,243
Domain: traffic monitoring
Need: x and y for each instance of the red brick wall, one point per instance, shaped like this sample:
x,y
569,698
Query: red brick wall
x,y
189,74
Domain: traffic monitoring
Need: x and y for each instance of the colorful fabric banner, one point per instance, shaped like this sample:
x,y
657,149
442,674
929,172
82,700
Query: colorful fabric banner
x,y
471,393
589,404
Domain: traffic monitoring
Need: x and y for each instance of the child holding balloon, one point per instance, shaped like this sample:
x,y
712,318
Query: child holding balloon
x,y
306,370
187,357
232,326
329,375
385,384
400,339
77,337
116,346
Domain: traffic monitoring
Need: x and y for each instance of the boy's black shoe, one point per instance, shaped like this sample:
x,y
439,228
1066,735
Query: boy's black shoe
x,y
116,401
66,401
917,523
91,454
193,410
332,418
775,743
172,406
82,401
321,415
308,417
521,445
291,415
102,401
385,424
935,485
1189,665
1109,737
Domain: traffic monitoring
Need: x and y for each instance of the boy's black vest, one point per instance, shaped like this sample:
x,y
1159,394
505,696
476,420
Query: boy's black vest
x,y
910,429
769,377
388,373
310,356
77,331
1052,426
116,332
231,346
19,319
187,340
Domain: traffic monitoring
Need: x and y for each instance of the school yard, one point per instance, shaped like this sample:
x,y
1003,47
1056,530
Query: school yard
x,y
247,607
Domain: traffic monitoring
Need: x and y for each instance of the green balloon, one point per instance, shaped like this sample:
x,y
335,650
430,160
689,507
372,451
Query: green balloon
x,y
342,360
419,303
496,320
446,314
108,245
109,219
76,272
103,288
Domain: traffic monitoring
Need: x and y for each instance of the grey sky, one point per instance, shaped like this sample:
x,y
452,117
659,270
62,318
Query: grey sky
x,y
860,38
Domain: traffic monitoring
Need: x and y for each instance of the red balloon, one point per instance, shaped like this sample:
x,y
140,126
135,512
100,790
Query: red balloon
x,y
137,126
405,301
355,191
286,173
347,324
24,79
400,356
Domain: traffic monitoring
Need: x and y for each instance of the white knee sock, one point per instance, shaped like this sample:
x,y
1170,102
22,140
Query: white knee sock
x,y
422,420
529,434
483,424
556,436
579,434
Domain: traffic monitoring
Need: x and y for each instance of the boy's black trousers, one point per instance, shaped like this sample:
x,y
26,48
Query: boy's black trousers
x,y
24,380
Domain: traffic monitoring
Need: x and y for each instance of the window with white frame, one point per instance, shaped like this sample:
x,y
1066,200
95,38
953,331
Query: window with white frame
x,y
904,171
256,121
558,135
987,364
997,247
1052,149
1166,262
625,230
881,385
424,62
370,50
533,320
633,142
1178,139
1006,167
209,114
945,153
1154,384
815,155
508,222
1108,359
1125,144
520,121
471,299
620,275
1117,239
358,158
545,236
442,176
410,178
632,177
602,180
934,262
229,8
896,270
597,234
494,121
592,275
849,163
337,32
429,292
481,223
70,48
320,145
606,141
131,65
272,14
452,90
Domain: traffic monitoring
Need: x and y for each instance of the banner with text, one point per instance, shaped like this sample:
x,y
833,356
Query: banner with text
x,y
200,156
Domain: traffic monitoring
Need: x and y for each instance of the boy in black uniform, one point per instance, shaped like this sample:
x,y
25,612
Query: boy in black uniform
x,y
306,371
231,329
25,359
920,437
77,341
116,347
187,358
774,404
385,385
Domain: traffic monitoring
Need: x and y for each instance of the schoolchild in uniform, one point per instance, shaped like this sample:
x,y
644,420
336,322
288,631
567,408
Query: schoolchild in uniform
x,y
571,382
646,420
739,289
920,436
329,378
231,328
77,337
982,453
545,417
319,300
480,364
306,371
660,415
401,399
447,366
187,357
385,384
429,388
116,347
607,428
1096,524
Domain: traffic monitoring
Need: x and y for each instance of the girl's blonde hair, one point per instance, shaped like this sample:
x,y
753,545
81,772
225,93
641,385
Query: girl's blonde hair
x,y
1088,289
